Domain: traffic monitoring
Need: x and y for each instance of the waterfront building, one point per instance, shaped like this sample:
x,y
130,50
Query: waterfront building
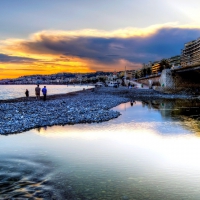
x,y
155,68
190,55
121,74
139,73
112,77
175,61
130,74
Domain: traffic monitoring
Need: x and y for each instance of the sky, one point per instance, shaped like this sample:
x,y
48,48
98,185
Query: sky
x,y
48,36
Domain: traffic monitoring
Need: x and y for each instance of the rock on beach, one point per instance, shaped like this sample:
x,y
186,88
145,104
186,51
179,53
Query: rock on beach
x,y
88,106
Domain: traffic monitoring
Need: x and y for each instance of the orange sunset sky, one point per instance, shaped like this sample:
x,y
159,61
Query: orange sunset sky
x,y
63,36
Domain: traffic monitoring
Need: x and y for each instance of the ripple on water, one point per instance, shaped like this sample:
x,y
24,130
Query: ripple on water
x,y
25,179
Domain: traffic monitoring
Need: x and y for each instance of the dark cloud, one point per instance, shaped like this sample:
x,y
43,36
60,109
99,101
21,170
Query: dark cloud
x,y
164,43
14,59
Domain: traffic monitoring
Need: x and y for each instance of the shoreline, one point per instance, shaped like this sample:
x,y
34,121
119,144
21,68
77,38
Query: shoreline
x,y
33,98
85,106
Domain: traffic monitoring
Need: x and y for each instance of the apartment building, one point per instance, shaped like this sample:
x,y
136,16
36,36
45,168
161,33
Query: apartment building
x,y
130,74
190,55
155,68
175,60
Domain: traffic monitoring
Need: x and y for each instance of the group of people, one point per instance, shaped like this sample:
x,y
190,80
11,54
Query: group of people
x,y
37,92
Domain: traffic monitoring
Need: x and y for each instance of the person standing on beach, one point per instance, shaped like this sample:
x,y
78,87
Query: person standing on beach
x,y
37,92
44,91
27,93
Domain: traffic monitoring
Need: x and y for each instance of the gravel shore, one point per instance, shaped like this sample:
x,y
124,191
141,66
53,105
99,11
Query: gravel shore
x,y
87,106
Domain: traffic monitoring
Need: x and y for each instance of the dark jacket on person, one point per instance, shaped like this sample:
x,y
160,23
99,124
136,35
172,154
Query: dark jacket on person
x,y
27,93
37,90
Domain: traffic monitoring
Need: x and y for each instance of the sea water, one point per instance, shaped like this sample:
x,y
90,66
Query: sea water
x,y
150,152
16,91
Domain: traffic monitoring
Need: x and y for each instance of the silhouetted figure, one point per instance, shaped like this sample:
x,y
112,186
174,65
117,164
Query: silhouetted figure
x,y
27,93
44,91
37,92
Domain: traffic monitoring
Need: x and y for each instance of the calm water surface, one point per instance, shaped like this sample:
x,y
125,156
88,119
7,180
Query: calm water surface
x,y
152,151
15,91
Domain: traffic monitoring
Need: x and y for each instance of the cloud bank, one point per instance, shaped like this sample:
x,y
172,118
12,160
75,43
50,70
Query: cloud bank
x,y
97,50
14,59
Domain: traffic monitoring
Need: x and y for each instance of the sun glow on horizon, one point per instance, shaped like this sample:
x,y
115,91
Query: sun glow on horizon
x,y
81,51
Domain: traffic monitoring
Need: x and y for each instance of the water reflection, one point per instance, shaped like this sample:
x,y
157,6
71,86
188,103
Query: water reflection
x,y
41,129
149,152
187,112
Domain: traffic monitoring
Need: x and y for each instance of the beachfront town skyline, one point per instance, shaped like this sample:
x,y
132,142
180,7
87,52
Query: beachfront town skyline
x,y
82,37
151,68
190,56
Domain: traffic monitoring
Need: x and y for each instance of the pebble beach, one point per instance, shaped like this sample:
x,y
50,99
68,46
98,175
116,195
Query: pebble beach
x,y
87,106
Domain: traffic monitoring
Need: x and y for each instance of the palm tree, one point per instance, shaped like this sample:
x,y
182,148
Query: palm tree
x,y
164,64
144,72
149,71
136,75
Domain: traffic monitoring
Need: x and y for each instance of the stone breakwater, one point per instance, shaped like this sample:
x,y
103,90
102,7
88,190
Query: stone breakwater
x,y
80,107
